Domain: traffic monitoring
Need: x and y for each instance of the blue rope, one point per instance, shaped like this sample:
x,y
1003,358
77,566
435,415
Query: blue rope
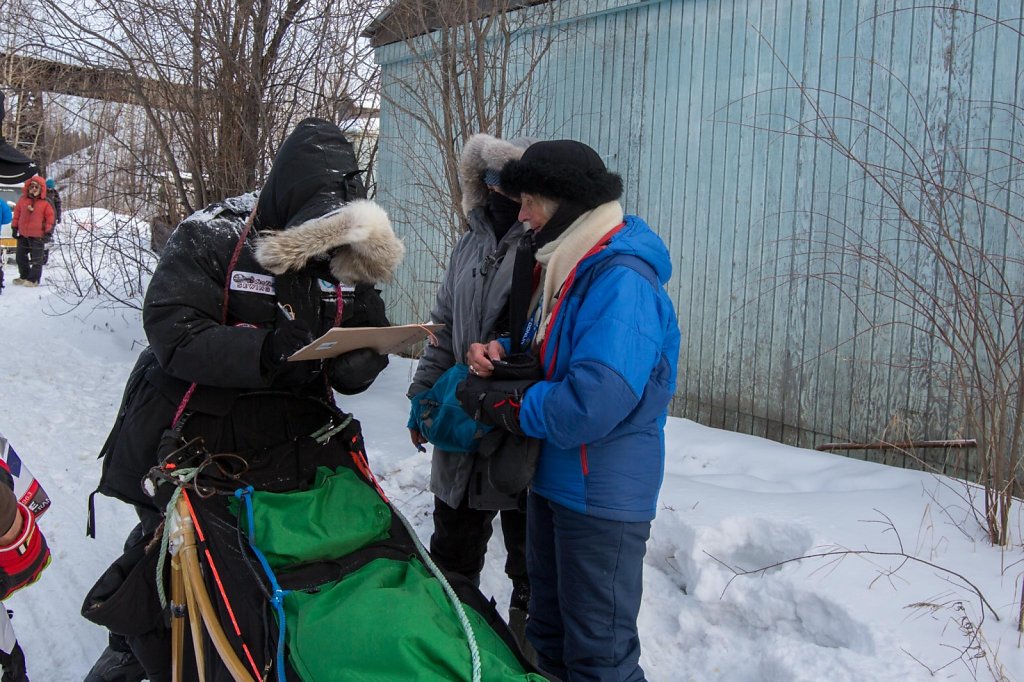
x,y
277,597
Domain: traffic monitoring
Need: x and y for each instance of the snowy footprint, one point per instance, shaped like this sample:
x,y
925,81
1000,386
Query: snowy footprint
x,y
766,627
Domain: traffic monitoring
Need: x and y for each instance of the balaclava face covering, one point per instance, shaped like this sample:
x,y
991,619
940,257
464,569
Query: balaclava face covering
x,y
503,213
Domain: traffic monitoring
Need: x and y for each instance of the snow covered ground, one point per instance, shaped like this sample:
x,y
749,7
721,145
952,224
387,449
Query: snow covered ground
x,y
728,500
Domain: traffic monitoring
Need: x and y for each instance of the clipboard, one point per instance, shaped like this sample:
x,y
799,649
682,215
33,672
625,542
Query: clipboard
x,y
384,340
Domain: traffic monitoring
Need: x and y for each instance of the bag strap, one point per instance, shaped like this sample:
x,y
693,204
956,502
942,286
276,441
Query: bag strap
x,y
635,263
224,306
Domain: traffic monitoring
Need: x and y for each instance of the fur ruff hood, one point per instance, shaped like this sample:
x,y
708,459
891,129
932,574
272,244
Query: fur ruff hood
x,y
485,152
37,180
358,239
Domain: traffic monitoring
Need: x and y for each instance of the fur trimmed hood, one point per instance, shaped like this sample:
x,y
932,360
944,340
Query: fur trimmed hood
x,y
314,173
35,180
485,152
357,238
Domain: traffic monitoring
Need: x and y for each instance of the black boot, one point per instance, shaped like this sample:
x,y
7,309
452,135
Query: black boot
x,y
117,663
518,605
520,598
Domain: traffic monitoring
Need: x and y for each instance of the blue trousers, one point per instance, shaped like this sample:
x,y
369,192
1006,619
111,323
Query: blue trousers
x,y
586,576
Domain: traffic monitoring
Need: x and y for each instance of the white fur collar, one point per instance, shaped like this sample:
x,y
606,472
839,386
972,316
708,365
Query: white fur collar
x,y
359,234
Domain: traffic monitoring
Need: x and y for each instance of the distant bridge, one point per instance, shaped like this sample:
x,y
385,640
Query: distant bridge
x,y
30,77
108,84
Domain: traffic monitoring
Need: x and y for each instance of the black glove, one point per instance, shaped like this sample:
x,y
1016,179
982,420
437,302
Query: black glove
x,y
287,337
520,366
354,371
495,403
14,232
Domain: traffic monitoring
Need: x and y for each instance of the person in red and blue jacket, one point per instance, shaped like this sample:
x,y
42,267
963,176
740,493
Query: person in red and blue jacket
x,y
588,298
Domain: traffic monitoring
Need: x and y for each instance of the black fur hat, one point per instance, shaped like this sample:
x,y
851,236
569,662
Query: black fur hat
x,y
564,170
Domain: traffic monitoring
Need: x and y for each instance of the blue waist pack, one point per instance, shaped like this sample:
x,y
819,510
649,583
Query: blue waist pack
x,y
437,414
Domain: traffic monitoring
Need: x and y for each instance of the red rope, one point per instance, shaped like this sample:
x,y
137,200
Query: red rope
x,y
340,305
184,402
224,308
220,585
363,464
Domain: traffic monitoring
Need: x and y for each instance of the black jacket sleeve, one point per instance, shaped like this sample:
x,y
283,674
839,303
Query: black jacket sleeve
x,y
182,310
354,372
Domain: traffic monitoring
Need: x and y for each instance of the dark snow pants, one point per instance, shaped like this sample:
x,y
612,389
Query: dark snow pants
x,y
29,256
460,538
13,665
586,576
152,650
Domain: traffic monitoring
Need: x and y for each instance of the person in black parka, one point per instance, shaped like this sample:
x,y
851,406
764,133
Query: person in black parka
x,y
301,257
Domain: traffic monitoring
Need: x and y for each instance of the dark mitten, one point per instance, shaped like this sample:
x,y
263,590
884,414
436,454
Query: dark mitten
x,y
14,664
287,337
125,599
365,308
517,367
14,232
495,403
354,371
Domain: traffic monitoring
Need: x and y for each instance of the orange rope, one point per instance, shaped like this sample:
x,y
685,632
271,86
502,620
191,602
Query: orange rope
x,y
220,587
431,336
364,466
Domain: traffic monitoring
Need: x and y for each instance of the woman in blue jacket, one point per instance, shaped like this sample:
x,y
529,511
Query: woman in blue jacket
x,y
588,299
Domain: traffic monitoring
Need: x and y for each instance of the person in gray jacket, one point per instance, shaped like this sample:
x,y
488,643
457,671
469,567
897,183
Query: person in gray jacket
x,y
472,304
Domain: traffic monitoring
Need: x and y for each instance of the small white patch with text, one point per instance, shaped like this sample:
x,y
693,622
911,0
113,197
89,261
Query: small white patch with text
x,y
252,282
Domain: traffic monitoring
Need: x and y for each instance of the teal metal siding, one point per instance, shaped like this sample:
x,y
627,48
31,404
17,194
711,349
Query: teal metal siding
x,y
694,103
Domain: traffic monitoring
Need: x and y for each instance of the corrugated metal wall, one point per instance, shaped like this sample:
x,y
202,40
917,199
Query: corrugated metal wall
x,y
695,103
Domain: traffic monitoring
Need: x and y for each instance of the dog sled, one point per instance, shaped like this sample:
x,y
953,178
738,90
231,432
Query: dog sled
x,y
281,558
